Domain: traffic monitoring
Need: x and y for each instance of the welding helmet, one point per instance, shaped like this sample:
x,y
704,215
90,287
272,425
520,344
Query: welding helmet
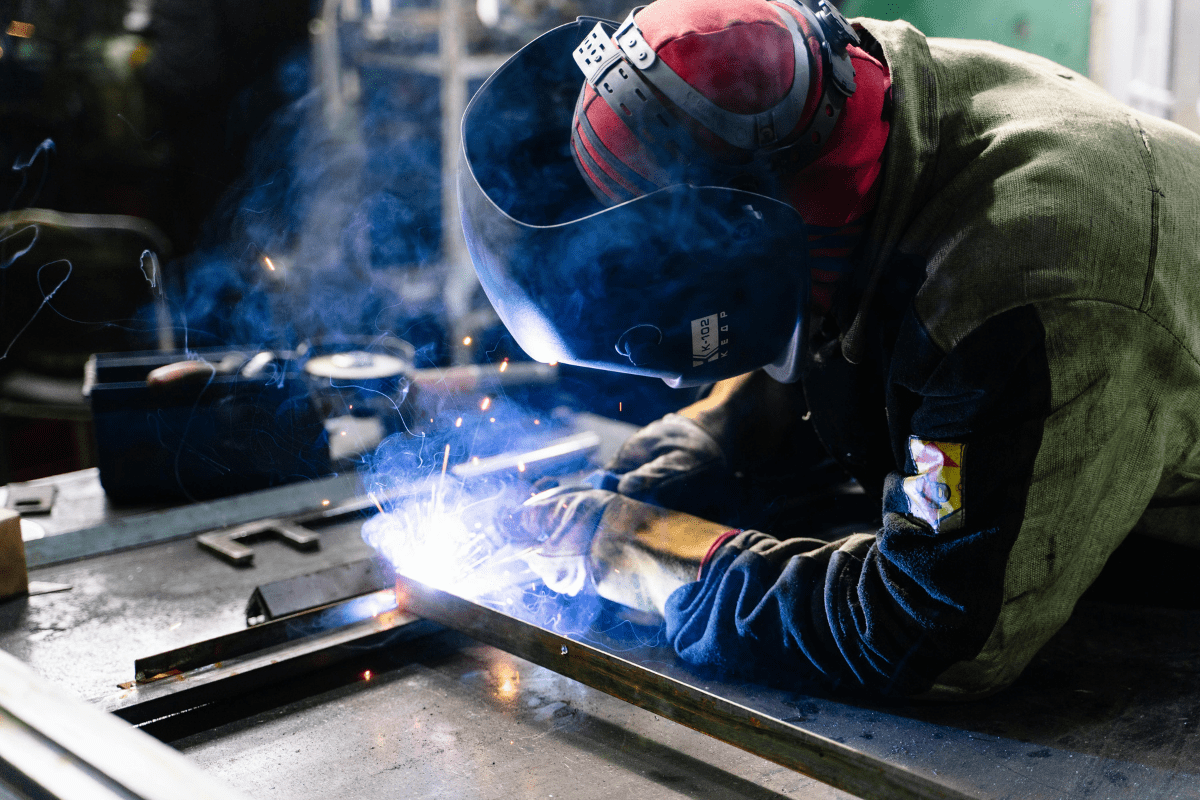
x,y
702,279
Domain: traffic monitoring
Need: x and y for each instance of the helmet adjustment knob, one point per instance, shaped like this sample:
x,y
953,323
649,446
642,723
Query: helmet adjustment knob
x,y
638,343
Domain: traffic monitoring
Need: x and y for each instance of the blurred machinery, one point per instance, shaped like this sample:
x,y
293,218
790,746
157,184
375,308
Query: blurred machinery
x,y
337,221
72,284
95,208
395,77
175,425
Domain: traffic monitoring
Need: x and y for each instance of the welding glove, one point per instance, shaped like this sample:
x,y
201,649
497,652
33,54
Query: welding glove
x,y
675,463
630,552
719,458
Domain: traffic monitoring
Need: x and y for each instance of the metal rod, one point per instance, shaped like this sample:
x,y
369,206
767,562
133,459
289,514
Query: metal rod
x,y
557,454
254,671
258,637
322,501
55,745
754,731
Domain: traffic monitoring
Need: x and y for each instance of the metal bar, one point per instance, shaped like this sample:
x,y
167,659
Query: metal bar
x,y
250,640
756,732
560,453
333,585
486,377
29,760
53,745
264,668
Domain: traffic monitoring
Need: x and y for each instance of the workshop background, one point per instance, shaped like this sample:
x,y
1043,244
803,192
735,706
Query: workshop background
x,y
266,189
289,167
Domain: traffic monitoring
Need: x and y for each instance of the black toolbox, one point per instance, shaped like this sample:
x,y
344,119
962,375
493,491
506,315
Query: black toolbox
x,y
219,435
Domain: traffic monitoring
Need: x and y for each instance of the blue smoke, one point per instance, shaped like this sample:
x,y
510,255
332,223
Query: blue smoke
x,y
336,213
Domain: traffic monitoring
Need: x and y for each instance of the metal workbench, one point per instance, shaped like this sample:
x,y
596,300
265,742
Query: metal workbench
x,y
1109,709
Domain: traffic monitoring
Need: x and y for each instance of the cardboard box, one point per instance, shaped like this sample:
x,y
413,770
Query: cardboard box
x,y
14,577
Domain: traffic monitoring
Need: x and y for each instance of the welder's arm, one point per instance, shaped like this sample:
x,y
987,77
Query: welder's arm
x,y
688,461
626,551
1031,453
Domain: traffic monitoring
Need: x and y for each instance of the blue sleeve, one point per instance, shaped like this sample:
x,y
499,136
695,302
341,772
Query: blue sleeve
x,y
890,610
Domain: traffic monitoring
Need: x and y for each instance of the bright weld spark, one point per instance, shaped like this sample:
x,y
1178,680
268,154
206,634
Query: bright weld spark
x,y
367,675
466,340
504,365
175,626
537,422
520,467
439,492
475,459
458,422
324,502
553,364
375,500
491,419
270,264
428,540
487,402
620,406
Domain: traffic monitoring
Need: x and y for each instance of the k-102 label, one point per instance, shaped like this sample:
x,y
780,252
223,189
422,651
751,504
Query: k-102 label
x,y
710,338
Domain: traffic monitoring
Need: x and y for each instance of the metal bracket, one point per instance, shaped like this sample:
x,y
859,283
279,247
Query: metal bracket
x,y
595,53
227,544
321,588
27,499
837,28
839,34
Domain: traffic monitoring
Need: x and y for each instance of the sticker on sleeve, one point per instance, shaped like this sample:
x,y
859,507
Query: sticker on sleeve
x,y
935,493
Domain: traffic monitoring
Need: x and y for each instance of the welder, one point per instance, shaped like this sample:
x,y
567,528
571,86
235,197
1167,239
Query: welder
x,y
970,270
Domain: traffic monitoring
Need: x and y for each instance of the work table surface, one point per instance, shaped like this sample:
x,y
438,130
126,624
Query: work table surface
x,y
1110,708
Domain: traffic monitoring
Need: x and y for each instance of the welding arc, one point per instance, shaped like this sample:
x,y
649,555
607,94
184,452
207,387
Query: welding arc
x,y
771,738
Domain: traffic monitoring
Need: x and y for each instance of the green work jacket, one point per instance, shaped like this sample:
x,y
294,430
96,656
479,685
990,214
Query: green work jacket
x,y
1016,373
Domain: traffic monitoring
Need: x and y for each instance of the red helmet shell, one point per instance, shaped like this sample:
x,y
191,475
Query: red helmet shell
x,y
737,53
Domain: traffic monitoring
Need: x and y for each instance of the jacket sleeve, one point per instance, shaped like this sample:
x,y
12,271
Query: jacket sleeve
x,y
1026,454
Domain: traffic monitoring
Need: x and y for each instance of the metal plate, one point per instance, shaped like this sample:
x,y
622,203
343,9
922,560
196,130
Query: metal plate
x,y
683,701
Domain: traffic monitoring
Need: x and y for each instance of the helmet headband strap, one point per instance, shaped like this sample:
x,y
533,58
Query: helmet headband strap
x,y
631,75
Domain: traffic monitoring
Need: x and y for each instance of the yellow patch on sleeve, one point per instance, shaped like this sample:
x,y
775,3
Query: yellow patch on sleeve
x,y
935,493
